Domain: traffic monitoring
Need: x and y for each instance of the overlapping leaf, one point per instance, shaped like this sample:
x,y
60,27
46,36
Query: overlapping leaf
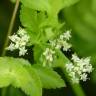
x,y
15,72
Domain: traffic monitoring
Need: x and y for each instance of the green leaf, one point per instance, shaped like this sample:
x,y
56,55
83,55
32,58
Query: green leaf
x,y
34,23
51,6
36,4
15,72
49,78
68,3
32,19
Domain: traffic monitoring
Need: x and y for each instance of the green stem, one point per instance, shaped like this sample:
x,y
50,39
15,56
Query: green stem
x,y
77,89
11,25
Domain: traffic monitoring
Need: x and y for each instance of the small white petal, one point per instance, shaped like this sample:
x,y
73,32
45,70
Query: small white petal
x,y
11,47
22,51
67,35
84,77
69,66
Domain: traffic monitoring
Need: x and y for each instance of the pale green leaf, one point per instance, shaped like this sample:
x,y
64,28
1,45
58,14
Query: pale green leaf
x,y
14,72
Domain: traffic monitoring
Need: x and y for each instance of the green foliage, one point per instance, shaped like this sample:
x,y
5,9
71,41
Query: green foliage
x,y
83,22
84,26
40,19
50,6
37,53
20,74
60,59
38,25
31,19
49,78
37,22
16,72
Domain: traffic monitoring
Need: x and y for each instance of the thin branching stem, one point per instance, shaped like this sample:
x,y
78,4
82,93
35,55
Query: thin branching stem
x,y
11,25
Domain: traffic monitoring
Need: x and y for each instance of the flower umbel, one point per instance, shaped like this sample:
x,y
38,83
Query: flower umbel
x,y
62,41
19,41
58,43
79,69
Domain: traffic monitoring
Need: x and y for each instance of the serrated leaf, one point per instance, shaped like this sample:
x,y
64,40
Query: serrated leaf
x,y
14,72
51,6
49,78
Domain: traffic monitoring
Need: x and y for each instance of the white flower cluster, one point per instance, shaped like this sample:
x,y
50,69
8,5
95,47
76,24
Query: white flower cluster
x,y
19,41
79,69
61,42
48,54
56,44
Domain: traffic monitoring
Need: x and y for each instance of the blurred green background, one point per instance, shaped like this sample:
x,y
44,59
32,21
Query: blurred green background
x,y
81,18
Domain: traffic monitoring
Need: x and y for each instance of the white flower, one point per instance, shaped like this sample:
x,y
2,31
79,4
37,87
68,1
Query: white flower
x,y
84,77
66,46
67,35
11,47
62,41
63,44
14,38
22,51
75,58
61,37
79,68
21,32
69,66
49,55
53,43
19,41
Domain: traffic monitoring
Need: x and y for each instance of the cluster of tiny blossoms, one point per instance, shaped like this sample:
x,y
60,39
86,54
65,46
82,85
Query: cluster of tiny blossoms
x,y
62,41
49,55
59,43
19,41
79,69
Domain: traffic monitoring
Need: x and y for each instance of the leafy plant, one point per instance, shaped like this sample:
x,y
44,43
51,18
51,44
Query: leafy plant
x,y
49,38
